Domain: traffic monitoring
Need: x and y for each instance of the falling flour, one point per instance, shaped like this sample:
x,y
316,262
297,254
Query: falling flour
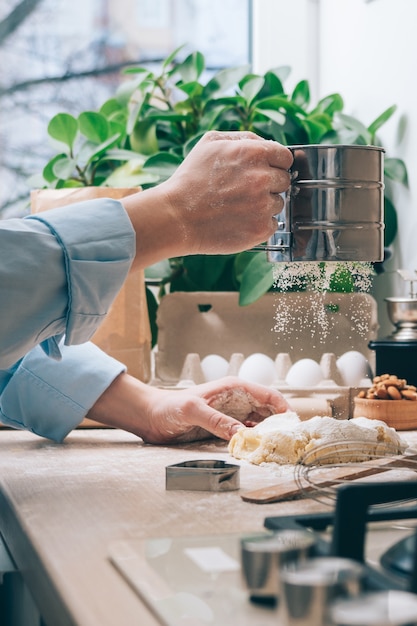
x,y
316,281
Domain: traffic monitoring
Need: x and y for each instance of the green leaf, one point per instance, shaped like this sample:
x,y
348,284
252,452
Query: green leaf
x,y
257,279
190,143
90,151
216,111
169,116
130,174
64,128
192,89
226,101
272,86
48,171
330,104
395,169
294,129
242,260
126,90
341,281
64,168
110,108
280,103
69,184
116,154
251,88
170,58
224,80
347,122
118,127
192,67
162,164
317,126
391,222
381,119
94,126
143,138
136,107
301,94
275,116
270,130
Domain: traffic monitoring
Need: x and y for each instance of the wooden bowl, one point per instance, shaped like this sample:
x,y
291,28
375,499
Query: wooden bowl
x,y
400,414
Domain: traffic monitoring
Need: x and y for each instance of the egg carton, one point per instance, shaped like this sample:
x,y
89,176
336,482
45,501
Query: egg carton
x,y
193,325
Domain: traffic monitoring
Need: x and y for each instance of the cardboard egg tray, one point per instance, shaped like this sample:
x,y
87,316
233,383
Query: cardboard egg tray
x,y
316,326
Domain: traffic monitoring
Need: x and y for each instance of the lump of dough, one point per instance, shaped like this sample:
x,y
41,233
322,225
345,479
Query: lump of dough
x,y
284,438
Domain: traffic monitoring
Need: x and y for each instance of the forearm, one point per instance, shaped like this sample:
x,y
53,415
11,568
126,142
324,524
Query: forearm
x,y
49,397
159,231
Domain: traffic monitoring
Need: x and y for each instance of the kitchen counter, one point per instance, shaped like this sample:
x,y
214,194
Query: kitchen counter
x,y
63,505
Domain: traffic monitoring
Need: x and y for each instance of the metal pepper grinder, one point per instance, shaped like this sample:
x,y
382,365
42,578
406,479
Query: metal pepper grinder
x,y
397,353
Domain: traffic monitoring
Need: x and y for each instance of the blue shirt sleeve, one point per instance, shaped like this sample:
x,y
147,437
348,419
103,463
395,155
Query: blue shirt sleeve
x,y
59,273
49,397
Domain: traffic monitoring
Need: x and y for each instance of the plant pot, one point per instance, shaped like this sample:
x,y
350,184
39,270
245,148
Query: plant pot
x,y
125,333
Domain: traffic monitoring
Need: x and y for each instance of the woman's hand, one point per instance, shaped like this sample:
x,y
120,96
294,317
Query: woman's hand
x,y
161,416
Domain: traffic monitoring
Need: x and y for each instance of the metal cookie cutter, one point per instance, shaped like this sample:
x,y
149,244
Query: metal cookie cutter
x,y
210,475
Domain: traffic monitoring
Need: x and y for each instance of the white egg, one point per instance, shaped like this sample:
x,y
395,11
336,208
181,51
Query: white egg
x,y
258,368
304,373
214,366
353,368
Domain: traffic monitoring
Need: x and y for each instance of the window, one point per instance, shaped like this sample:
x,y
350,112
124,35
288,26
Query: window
x,y
68,56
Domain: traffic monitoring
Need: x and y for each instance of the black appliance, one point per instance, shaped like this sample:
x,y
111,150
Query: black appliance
x,y
358,507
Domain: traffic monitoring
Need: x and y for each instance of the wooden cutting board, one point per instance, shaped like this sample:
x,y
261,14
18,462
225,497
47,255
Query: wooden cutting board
x,y
291,489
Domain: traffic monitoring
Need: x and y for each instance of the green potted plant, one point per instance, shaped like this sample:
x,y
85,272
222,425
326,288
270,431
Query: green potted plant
x,y
139,137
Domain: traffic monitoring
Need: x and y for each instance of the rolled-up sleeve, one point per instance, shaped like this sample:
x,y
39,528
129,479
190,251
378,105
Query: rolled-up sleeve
x,y
60,270
51,398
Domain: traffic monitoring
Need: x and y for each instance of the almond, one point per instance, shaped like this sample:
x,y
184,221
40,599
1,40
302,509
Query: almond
x,y
408,394
382,393
394,393
393,381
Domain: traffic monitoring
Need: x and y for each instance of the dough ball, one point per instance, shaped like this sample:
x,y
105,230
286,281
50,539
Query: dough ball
x,y
286,439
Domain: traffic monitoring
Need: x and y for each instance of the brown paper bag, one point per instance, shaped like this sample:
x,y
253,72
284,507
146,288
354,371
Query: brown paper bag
x,y
125,333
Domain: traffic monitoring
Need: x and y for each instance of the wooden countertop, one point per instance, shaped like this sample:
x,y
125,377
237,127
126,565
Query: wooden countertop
x,y
62,506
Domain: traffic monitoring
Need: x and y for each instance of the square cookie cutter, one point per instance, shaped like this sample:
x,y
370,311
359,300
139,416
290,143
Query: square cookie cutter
x,y
209,475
